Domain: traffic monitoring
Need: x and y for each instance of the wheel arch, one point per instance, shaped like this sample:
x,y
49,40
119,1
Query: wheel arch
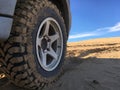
x,y
64,7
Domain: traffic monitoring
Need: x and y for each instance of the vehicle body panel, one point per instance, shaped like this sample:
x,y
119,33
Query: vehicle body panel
x,y
7,8
5,27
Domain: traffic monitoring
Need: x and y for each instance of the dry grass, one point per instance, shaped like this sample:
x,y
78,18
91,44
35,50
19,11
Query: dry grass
x,y
99,48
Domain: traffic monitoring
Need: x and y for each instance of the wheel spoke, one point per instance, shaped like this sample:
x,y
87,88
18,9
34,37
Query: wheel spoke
x,y
53,38
47,26
39,41
53,54
44,58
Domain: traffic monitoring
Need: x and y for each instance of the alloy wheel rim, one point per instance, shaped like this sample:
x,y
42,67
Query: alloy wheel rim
x,y
49,44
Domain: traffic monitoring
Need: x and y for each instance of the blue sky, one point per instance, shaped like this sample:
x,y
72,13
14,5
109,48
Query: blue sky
x,y
94,19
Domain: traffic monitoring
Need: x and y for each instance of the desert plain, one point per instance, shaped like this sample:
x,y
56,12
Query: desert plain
x,y
89,65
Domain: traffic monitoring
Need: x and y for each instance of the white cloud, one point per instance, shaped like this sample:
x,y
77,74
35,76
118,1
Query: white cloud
x,y
81,35
103,29
115,28
99,31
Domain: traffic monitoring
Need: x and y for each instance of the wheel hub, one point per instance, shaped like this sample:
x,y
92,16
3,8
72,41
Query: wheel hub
x,y
45,43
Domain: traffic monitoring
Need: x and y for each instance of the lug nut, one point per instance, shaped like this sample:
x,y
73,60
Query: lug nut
x,y
48,39
45,51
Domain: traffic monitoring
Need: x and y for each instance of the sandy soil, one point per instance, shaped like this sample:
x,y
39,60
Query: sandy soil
x,y
89,65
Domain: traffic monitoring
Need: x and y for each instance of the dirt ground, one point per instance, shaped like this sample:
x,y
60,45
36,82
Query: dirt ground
x,y
89,65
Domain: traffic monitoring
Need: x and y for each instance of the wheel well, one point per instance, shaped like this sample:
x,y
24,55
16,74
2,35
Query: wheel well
x,y
64,9
63,6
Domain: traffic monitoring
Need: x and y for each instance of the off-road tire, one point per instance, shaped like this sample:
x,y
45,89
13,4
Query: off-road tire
x,y
21,66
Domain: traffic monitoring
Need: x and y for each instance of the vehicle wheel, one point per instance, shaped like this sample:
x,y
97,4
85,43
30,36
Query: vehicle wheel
x,y
35,51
